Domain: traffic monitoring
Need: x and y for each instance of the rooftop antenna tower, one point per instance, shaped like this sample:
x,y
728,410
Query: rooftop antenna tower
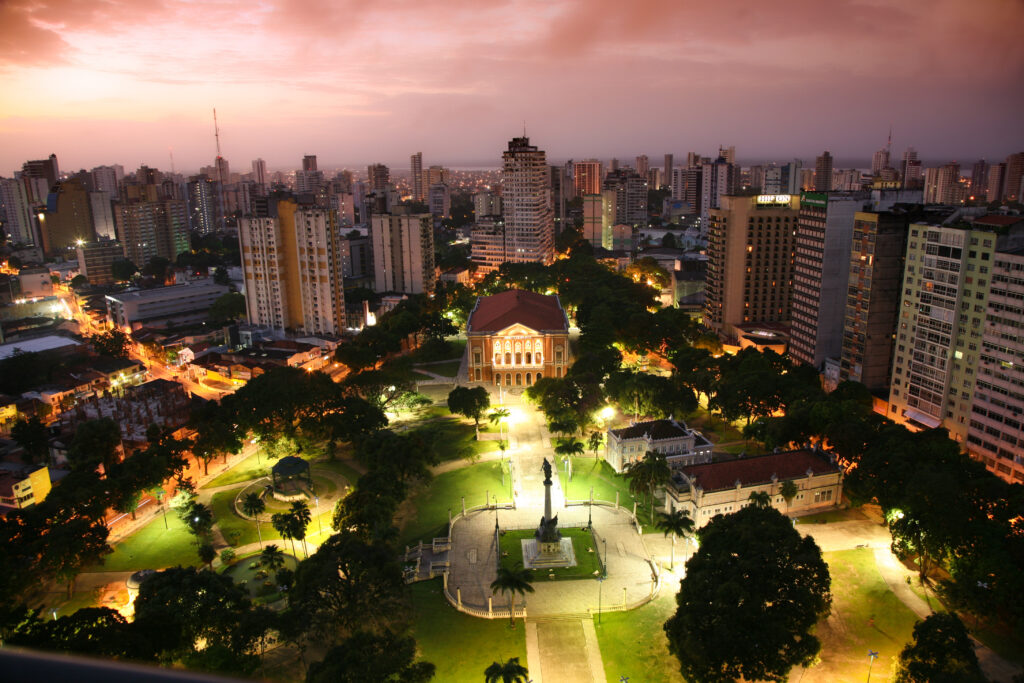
x,y
170,150
220,171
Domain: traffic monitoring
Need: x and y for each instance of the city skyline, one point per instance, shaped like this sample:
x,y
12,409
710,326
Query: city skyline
x,y
121,83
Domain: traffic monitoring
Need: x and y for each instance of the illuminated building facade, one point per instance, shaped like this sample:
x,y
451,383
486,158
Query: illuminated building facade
x,y
517,337
526,198
750,262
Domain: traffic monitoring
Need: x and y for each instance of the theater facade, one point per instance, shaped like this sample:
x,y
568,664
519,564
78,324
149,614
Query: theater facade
x,y
516,337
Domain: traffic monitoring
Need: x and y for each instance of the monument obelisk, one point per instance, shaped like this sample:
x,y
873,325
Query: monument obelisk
x,y
548,549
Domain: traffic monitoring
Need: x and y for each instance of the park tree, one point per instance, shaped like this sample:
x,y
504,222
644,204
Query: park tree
x,y
95,443
301,517
594,442
253,506
676,523
199,520
113,343
472,403
751,596
207,554
92,631
179,608
941,651
123,270
34,438
646,474
271,558
216,434
350,584
510,671
284,525
79,281
513,581
227,308
365,656
788,490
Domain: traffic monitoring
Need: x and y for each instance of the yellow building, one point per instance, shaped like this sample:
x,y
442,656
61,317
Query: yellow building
x,y
22,489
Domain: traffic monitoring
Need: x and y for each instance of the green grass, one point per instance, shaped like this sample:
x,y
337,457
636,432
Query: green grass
x,y
153,547
634,644
433,351
587,563
239,531
345,468
427,514
865,615
830,516
79,600
461,646
587,472
448,368
252,467
246,570
457,438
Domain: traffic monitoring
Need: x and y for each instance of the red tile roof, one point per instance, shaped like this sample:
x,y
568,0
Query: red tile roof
x,y
998,220
719,476
536,311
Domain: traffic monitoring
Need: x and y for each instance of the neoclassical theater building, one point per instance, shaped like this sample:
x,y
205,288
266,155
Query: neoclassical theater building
x,y
516,337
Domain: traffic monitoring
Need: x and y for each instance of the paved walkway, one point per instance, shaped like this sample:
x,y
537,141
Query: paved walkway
x,y
896,577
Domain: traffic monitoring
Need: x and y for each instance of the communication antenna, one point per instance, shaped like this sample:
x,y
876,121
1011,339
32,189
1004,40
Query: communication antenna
x,y
220,171
170,151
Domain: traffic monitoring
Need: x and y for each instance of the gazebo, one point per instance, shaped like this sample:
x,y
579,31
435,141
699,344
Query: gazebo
x,y
289,468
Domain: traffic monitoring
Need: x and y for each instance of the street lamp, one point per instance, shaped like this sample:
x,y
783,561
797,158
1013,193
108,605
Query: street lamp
x,y
600,583
319,522
495,496
872,656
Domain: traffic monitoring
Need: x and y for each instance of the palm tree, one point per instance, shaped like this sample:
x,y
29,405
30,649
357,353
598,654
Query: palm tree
x,y
594,442
761,499
272,558
677,523
284,524
509,672
300,513
253,506
512,580
648,473
497,417
571,447
788,491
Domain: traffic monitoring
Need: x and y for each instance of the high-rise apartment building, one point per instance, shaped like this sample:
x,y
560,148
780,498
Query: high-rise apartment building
x,y
96,260
16,210
823,173
68,217
260,177
996,182
879,160
403,253
910,169
947,188
877,254
728,153
292,266
995,434
203,204
439,200
309,162
587,177
750,261
106,179
783,179
669,165
416,176
643,165
979,179
45,169
486,204
102,215
630,196
718,179
149,229
561,193
820,273
599,211
1014,183
487,244
377,177
942,314
529,220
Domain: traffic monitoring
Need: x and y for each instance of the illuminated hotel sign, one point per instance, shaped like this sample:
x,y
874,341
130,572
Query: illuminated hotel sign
x,y
773,198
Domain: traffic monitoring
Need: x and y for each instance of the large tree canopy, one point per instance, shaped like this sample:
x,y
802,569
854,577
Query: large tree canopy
x,y
751,596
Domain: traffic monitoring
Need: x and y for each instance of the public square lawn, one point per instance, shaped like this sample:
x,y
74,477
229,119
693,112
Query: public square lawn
x,y
461,646
246,570
588,564
425,515
153,547
860,595
448,368
587,472
252,467
836,515
239,531
634,644
457,438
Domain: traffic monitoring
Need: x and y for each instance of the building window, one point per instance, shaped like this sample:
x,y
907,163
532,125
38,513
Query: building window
x,y
478,374
476,358
508,359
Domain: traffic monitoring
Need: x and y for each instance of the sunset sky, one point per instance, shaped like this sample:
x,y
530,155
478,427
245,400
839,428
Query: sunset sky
x,y
125,81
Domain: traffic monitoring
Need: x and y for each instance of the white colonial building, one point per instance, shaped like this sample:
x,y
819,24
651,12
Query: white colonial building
x,y
723,487
681,445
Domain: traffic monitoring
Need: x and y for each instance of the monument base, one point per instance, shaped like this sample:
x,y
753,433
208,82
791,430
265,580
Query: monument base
x,y
557,555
